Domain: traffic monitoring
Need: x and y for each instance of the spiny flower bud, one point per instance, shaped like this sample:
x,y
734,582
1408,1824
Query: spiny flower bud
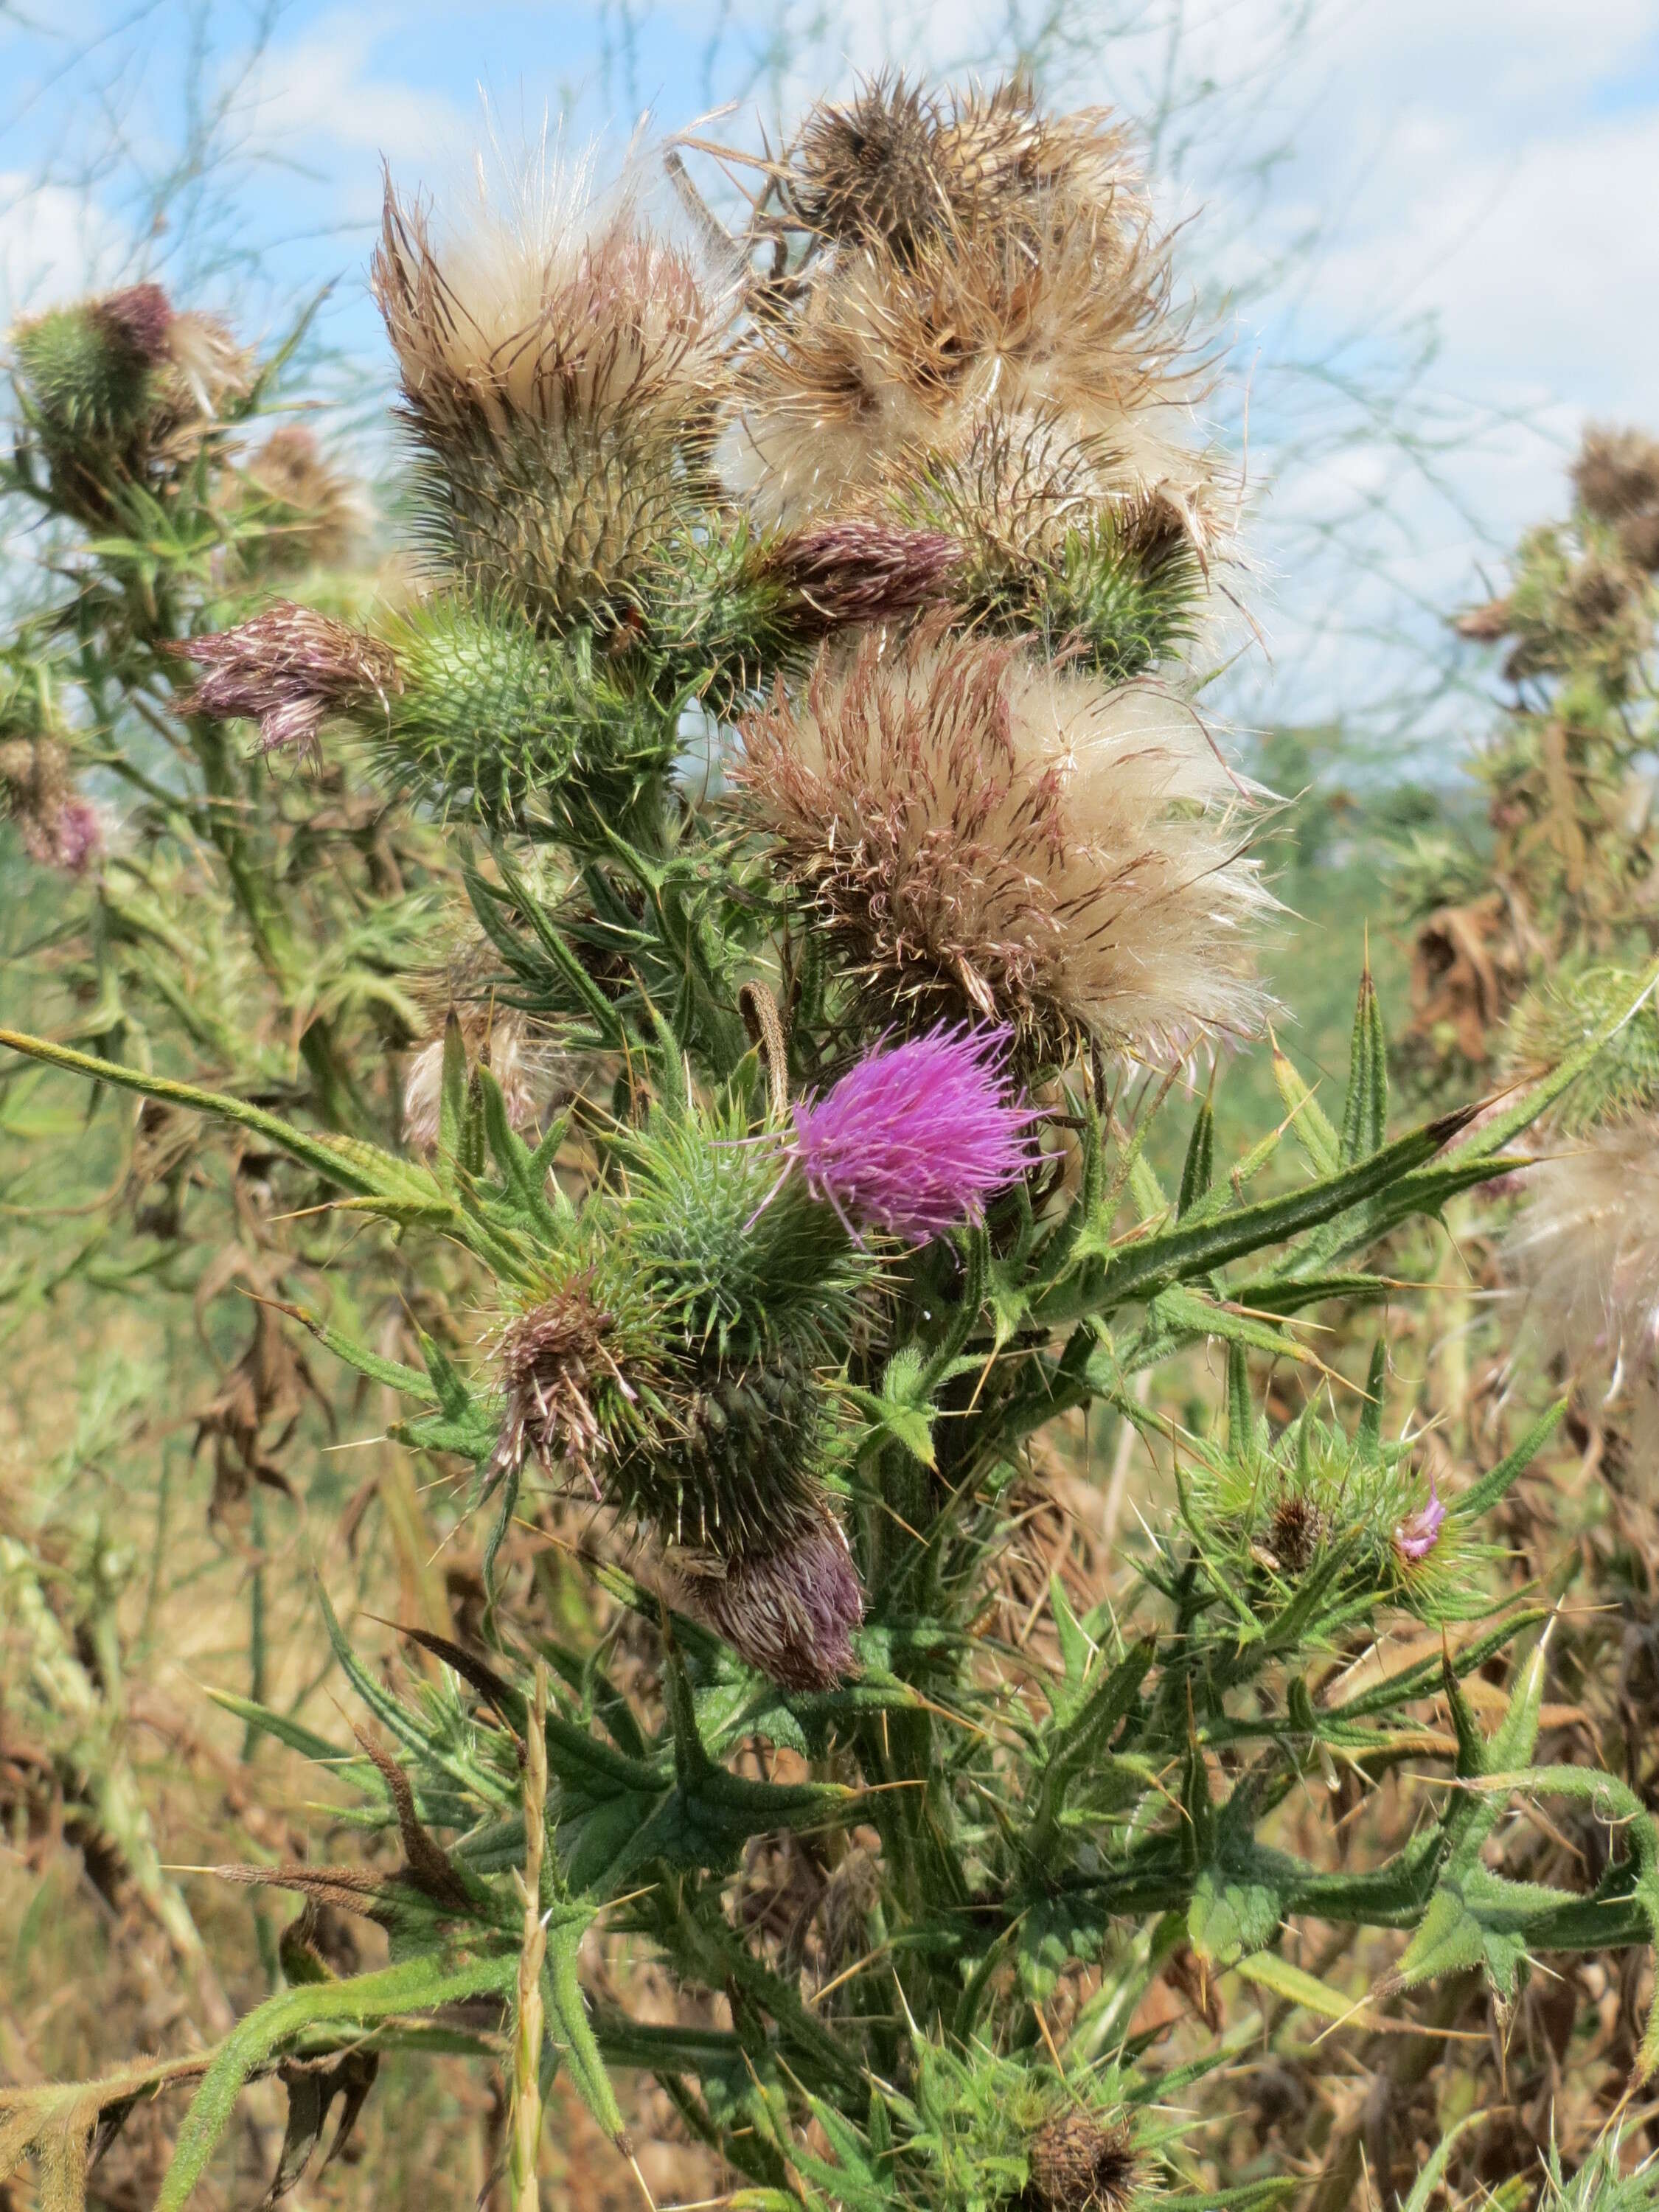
x,y
557,359
1080,2162
918,1136
789,1613
988,837
290,669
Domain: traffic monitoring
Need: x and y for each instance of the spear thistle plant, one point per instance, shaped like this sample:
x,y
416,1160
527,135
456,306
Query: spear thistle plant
x,y
850,1206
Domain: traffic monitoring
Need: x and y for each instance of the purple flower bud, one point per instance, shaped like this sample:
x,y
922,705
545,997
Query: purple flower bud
x,y
1416,1537
917,1136
790,1612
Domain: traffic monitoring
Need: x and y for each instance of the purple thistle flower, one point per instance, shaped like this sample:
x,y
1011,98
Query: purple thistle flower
x,y
917,1136
1416,1537
790,1612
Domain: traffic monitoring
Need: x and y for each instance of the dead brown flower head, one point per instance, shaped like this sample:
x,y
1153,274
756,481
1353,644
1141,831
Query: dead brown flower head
x,y
1081,2162
1616,478
991,837
550,1360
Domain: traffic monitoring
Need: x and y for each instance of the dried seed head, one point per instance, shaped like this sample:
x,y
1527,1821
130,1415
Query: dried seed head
x,y
888,359
1616,478
552,1359
557,359
290,669
1081,2162
1295,1532
916,1137
1585,1250
497,1039
789,1613
320,512
899,166
990,837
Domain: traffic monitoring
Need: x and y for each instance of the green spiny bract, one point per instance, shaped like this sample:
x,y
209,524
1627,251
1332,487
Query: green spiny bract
x,y
1044,552
1558,1015
748,1260
562,520
88,371
521,730
1266,1517
992,2134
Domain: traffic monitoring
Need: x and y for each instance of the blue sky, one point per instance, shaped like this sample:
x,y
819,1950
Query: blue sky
x,y
1439,213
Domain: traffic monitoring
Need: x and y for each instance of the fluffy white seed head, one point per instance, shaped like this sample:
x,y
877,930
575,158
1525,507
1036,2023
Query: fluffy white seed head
x,y
1585,1250
986,833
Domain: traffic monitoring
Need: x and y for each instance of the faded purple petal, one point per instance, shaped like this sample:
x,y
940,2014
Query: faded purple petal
x,y
1417,1535
918,1136
288,669
79,832
790,1612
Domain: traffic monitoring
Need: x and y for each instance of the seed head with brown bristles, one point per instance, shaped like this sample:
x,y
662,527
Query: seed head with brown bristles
x,y
557,359
1616,477
318,513
986,835
882,358
1081,2162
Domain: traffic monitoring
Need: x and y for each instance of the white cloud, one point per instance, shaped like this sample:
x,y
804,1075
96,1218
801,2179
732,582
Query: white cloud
x,y
338,85
55,244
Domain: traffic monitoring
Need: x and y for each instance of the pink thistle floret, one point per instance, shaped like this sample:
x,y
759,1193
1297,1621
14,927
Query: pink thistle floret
x,y
1416,1537
918,1136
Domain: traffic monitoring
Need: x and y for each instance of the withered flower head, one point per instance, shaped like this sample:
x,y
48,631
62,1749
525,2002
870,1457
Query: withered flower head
x,y
1585,1248
321,511
899,165
556,358
516,1050
1296,1531
1616,477
290,669
551,1360
857,568
1081,2162
790,1612
989,836
885,360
